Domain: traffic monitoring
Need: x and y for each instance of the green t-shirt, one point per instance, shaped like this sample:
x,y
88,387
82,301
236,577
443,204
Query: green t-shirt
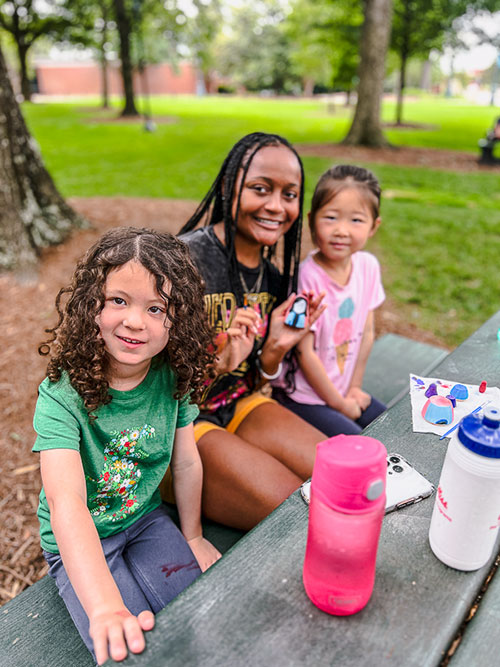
x,y
125,452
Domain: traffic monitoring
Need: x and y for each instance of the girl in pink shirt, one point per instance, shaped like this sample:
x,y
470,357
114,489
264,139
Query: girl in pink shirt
x,y
332,356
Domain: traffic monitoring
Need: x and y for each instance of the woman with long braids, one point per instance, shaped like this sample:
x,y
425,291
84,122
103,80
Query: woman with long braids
x,y
254,451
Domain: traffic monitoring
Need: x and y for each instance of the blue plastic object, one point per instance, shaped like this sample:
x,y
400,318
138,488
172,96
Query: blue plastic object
x,y
460,392
481,433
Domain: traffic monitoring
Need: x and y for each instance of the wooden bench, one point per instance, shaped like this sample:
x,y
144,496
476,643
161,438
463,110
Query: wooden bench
x,y
392,360
35,628
487,146
479,643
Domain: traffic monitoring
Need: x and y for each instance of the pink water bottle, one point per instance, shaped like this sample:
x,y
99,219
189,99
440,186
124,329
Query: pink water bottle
x,y
345,517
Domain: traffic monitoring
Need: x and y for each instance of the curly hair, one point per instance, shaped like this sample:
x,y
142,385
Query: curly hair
x,y
216,207
76,346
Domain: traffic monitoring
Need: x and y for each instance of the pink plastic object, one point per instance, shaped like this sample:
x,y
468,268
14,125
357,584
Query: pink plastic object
x,y
438,410
345,517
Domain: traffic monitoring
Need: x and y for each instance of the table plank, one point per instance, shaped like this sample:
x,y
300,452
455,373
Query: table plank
x,y
480,641
251,608
390,362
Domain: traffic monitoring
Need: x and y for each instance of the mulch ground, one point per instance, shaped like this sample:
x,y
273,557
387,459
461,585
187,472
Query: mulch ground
x,y
407,156
28,310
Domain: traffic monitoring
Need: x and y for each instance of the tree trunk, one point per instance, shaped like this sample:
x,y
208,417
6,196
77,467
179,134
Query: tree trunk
x,y
401,88
366,128
104,62
104,80
426,76
124,30
33,214
22,52
308,86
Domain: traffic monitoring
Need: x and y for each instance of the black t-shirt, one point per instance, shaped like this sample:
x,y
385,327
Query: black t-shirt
x,y
210,256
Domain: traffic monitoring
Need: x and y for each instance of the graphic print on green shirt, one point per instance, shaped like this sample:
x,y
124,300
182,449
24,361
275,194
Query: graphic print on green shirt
x,y
117,484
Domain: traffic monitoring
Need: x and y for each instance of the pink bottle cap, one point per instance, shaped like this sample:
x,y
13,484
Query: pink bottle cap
x,y
350,472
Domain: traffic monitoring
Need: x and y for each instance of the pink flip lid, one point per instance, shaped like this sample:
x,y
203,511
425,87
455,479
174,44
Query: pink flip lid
x,y
350,472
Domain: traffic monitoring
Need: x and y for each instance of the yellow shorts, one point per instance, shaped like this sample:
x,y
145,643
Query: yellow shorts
x,y
244,407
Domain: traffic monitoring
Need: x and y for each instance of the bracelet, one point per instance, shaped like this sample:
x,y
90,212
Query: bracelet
x,y
265,375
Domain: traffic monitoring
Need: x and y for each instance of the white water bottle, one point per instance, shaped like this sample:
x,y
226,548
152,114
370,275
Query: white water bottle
x,y
466,516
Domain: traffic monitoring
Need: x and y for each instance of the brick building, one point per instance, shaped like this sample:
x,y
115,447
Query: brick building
x,y
85,78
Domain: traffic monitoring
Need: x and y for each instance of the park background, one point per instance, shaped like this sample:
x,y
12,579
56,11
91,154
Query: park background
x,y
258,67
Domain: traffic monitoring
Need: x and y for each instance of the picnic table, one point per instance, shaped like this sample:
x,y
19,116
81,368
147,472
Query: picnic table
x,y
250,608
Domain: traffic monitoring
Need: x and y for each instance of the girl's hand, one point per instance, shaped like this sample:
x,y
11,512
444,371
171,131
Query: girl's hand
x,y
361,397
284,337
240,339
119,630
351,409
204,552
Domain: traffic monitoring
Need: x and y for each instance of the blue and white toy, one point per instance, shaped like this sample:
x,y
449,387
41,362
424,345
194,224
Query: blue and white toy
x,y
297,313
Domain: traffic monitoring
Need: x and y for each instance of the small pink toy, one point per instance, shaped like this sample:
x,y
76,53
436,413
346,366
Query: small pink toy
x,y
438,410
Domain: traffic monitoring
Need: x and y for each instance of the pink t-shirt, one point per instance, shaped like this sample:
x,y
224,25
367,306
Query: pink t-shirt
x,y
339,330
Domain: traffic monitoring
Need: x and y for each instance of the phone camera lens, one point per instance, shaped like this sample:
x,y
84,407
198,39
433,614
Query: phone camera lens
x,y
397,468
388,463
394,459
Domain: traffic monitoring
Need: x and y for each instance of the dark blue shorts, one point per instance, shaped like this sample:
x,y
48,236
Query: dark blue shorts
x,y
151,564
326,419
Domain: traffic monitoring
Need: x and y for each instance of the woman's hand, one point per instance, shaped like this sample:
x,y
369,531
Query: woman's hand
x,y
204,552
283,337
361,397
113,632
236,343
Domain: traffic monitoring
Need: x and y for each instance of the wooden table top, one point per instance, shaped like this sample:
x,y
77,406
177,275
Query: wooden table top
x,y
250,608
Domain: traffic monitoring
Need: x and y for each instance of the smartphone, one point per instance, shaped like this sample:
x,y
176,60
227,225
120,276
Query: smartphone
x,y
404,486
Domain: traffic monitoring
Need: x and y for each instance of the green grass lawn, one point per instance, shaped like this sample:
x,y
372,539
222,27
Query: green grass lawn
x,y
438,244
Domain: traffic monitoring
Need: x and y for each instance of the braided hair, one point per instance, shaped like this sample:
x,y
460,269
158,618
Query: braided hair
x,y
217,206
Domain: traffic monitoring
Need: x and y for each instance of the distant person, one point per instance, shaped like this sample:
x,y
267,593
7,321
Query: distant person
x,y
487,145
327,386
128,357
254,452
495,132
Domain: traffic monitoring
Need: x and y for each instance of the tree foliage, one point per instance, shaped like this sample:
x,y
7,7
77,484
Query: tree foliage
x,y
256,52
202,27
27,21
325,37
417,27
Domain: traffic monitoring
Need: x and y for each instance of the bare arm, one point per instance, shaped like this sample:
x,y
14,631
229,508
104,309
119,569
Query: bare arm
x,y
81,552
355,389
187,474
315,373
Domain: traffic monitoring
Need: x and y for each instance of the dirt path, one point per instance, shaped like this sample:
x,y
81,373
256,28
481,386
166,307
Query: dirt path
x,y
404,156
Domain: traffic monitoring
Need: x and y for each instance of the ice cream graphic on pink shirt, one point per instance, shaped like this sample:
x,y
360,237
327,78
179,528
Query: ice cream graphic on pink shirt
x,y
343,332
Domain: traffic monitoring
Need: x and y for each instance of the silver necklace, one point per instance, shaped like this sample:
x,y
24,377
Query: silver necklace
x,y
256,286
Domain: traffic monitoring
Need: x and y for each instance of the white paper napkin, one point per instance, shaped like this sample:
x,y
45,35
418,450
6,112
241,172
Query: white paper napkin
x,y
418,387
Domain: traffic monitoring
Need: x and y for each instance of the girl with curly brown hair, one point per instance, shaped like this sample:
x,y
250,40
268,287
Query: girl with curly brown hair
x,y
128,356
